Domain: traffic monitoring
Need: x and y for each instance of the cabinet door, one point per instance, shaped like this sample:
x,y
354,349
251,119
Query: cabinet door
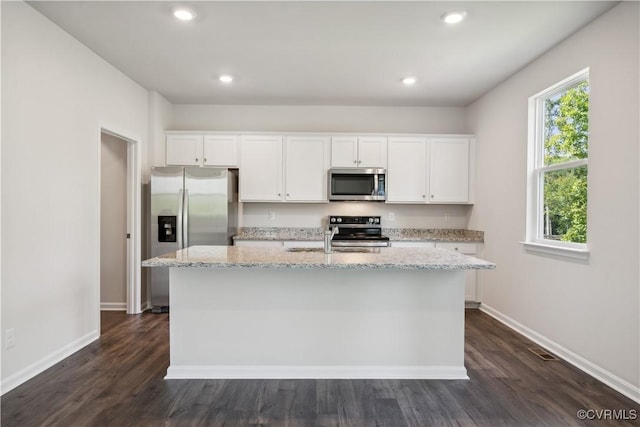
x,y
449,170
406,170
470,276
260,243
260,168
220,150
184,150
372,152
412,244
344,152
306,165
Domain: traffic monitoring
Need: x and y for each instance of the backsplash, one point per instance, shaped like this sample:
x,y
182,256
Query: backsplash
x,y
315,215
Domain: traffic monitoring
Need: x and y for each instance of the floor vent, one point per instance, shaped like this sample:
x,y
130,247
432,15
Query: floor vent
x,y
543,354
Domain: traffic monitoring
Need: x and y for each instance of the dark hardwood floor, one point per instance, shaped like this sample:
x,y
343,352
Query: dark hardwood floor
x,y
118,381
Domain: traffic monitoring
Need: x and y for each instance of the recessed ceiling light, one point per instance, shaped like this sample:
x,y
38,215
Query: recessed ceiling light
x,y
409,81
184,14
225,78
454,17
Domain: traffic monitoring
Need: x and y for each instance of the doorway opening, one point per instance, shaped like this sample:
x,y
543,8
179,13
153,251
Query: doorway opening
x,y
120,223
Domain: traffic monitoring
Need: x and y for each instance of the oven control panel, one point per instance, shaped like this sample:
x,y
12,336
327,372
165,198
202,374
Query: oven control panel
x,y
368,221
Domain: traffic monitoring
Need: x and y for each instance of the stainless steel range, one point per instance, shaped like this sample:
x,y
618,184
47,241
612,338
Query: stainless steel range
x,y
357,231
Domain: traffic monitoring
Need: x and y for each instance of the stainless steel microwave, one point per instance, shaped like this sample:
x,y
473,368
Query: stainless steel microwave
x,y
357,184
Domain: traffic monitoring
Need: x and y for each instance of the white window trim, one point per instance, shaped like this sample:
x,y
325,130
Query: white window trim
x,y
533,242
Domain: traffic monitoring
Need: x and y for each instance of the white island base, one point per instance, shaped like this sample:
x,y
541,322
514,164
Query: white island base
x,y
316,323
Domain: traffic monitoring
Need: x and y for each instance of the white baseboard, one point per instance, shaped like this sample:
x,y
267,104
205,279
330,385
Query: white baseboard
x,y
113,306
612,380
146,305
317,372
45,363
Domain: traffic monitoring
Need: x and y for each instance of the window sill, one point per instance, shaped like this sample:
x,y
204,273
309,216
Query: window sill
x,y
560,251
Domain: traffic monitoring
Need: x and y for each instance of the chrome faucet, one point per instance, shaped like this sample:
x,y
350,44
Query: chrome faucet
x,y
328,236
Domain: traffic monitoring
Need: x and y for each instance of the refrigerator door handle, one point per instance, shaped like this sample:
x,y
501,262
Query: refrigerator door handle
x,y
179,219
185,221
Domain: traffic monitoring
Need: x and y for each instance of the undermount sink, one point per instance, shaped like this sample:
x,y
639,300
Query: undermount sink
x,y
340,249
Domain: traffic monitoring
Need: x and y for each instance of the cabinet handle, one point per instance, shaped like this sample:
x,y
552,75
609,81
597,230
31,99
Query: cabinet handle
x,y
359,161
432,196
196,160
288,195
205,160
355,161
279,194
424,196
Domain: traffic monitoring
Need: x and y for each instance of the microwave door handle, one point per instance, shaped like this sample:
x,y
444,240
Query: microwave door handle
x,y
375,185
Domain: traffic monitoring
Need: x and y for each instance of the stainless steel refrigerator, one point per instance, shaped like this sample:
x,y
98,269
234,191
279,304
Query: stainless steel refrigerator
x,y
189,206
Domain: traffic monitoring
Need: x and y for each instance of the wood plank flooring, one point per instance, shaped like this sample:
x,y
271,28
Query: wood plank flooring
x,y
118,381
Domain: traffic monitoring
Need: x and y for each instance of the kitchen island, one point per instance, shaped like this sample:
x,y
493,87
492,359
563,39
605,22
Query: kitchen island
x,y
255,312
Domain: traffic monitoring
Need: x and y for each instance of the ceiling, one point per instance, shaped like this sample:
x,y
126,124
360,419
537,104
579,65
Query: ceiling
x,y
321,53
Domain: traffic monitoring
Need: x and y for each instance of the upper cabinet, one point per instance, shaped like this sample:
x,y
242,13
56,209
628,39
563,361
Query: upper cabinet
x,y
293,170
449,170
202,150
406,170
261,168
359,152
289,167
220,150
306,165
184,150
430,170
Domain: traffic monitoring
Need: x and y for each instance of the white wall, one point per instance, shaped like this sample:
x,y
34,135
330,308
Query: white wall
x,y
113,222
55,95
590,312
315,215
312,118
160,119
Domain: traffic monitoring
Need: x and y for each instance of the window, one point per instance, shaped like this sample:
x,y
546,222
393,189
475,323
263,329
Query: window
x,y
558,168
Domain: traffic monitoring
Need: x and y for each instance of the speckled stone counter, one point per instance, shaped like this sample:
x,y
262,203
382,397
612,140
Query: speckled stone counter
x,y
352,258
256,312
395,234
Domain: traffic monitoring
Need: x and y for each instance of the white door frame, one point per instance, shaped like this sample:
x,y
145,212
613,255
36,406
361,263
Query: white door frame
x,y
134,215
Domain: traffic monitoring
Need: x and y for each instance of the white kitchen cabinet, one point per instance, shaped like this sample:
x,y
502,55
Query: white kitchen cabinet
x,y
220,150
448,170
303,244
202,150
407,170
359,151
184,150
306,165
261,168
412,244
430,170
471,276
260,243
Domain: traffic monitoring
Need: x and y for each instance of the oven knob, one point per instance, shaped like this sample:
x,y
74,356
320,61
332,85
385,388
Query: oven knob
x,y
339,220
333,219
370,220
377,220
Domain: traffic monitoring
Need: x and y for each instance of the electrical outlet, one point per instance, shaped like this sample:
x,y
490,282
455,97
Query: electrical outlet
x,y
272,216
9,338
392,216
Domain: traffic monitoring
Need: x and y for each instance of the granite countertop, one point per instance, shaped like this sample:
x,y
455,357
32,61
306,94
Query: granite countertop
x,y
395,234
261,257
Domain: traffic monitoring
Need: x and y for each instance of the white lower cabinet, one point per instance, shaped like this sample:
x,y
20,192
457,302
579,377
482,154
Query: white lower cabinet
x,y
412,244
471,276
260,243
